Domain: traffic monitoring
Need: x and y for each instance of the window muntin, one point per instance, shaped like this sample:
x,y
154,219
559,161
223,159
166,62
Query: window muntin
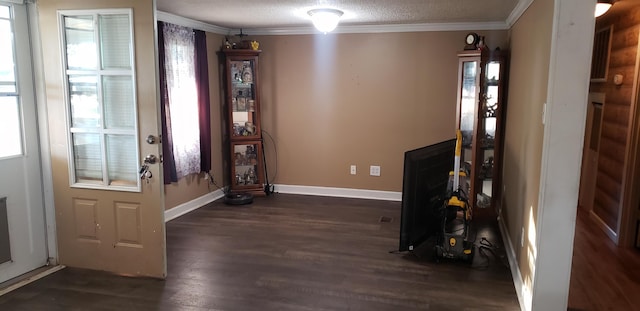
x,y
99,69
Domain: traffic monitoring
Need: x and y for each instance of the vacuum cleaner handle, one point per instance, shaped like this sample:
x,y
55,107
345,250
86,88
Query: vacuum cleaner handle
x,y
456,161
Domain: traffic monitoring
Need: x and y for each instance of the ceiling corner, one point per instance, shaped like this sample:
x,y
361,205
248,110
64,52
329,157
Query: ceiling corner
x,y
187,22
518,10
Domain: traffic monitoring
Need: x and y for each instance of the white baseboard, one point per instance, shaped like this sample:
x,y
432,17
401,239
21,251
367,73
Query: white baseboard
x,y
603,225
340,192
518,283
290,189
192,205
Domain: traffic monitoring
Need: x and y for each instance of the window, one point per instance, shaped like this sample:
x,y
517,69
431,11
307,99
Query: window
x,y
600,57
10,111
185,109
101,101
182,96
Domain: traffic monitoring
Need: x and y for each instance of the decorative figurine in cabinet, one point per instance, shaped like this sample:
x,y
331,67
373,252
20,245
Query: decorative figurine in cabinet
x,y
481,102
242,100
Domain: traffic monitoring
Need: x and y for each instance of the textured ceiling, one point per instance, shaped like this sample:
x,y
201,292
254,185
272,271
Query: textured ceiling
x,y
293,13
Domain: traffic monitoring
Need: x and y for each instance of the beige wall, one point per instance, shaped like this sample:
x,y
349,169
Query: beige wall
x,y
530,40
330,101
195,186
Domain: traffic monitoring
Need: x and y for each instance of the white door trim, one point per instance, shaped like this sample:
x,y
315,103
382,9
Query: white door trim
x,y
568,87
43,129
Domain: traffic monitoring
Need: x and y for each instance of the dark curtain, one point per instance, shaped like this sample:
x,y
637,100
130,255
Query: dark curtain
x,y
204,108
168,162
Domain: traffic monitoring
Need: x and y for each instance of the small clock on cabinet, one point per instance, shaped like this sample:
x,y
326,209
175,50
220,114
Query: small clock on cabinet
x,y
471,41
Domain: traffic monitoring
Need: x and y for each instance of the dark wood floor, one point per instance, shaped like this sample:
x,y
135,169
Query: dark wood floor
x,y
288,252
603,276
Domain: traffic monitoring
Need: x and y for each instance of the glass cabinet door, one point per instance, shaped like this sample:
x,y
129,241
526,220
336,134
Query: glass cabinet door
x,y
246,165
468,100
468,93
243,99
487,132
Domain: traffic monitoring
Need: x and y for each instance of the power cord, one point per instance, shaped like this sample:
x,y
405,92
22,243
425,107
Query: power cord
x,y
269,187
485,247
212,181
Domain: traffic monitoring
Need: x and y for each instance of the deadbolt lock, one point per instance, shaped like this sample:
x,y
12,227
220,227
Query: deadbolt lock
x,y
151,139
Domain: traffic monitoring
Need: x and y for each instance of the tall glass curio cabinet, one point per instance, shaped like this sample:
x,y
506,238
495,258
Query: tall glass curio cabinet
x,y
480,118
242,102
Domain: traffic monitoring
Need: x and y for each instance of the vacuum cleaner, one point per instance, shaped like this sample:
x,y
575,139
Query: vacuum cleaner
x,y
456,214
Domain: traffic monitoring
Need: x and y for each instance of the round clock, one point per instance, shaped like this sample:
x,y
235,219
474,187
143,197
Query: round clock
x,y
471,38
471,41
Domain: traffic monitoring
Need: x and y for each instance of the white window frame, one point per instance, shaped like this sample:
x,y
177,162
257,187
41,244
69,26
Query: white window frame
x,y
17,92
99,73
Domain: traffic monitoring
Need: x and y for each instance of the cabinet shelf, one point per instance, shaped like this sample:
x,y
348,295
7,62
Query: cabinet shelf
x,y
242,85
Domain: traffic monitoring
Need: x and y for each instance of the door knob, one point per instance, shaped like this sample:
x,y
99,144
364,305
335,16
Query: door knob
x,y
150,159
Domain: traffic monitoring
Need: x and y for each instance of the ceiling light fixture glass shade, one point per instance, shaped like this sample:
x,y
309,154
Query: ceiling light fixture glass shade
x,y
325,20
603,6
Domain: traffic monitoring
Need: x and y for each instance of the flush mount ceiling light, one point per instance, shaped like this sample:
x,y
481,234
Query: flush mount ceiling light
x,y
603,6
325,20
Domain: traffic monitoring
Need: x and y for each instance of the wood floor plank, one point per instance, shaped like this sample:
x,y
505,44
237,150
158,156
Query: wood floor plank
x,y
288,252
603,276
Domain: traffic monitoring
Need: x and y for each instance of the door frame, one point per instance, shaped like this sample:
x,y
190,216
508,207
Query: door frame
x,y
43,128
629,211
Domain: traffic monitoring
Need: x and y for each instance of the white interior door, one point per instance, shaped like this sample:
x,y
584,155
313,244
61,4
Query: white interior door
x,y
22,223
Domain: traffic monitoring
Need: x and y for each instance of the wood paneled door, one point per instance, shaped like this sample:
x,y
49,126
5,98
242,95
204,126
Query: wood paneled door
x,y
101,85
590,151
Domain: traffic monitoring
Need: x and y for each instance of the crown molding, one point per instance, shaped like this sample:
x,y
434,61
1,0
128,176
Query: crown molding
x,y
381,28
517,12
191,23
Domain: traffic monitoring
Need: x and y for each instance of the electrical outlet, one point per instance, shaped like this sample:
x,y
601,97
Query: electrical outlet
x,y
374,170
353,169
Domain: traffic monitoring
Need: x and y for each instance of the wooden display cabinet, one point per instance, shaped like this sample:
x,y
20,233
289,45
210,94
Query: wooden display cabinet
x,y
481,102
242,100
